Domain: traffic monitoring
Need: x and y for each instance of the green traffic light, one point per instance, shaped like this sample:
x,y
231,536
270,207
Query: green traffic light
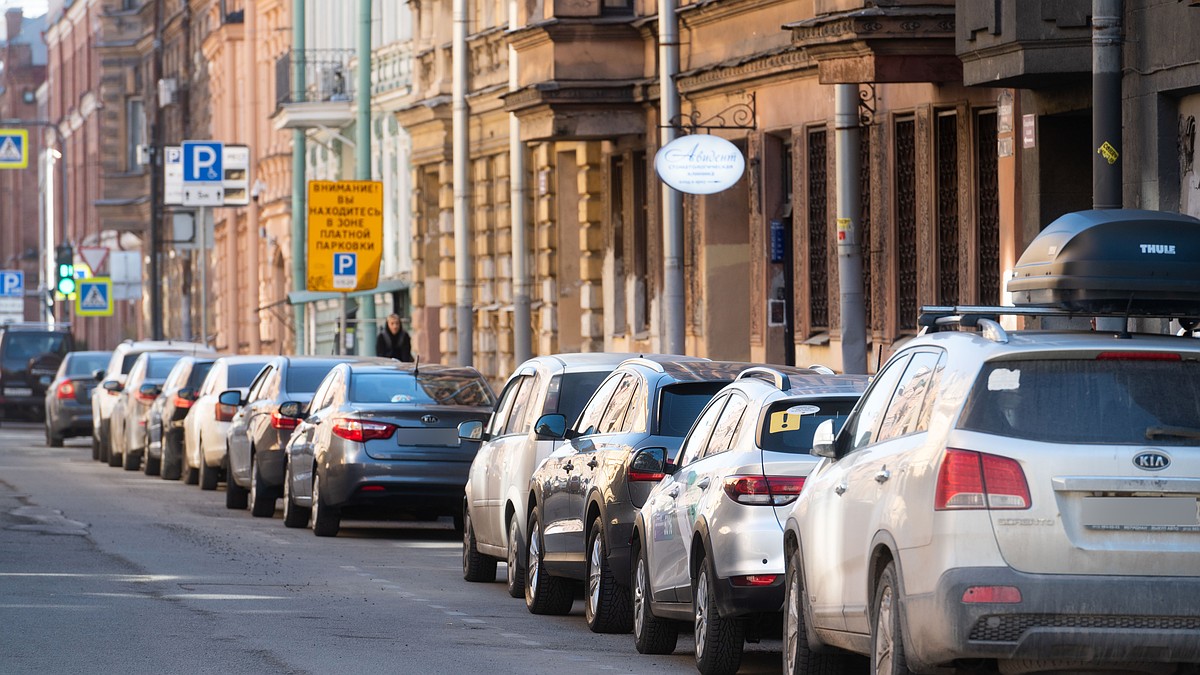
x,y
66,285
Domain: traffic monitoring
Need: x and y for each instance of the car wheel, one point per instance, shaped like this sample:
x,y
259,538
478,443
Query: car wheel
x,y
209,476
236,496
105,445
719,639
476,566
190,475
293,514
651,635
606,605
516,566
262,498
114,458
798,658
544,594
95,446
151,465
52,440
887,638
132,461
325,519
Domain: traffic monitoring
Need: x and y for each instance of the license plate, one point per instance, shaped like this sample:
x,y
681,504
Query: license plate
x,y
1141,513
410,436
18,391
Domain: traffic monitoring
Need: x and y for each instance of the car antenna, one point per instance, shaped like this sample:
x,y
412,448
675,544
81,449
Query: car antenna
x,y
417,366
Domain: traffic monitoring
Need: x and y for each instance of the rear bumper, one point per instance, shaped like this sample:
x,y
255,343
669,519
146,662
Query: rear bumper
x,y
743,600
374,489
71,419
1093,619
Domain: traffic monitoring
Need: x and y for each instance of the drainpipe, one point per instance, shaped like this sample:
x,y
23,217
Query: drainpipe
x,y
156,208
362,157
849,201
299,179
672,207
1106,104
249,114
522,321
463,277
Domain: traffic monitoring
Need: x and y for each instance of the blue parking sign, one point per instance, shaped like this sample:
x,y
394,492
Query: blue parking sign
x,y
12,284
202,161
345,270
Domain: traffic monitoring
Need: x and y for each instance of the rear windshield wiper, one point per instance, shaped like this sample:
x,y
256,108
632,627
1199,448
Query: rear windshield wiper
x,y
1172,432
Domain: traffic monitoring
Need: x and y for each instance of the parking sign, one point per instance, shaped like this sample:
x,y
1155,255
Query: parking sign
x,y
12,284
345,270
202,161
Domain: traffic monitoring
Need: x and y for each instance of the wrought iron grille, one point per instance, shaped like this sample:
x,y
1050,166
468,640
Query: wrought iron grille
x,y
818,235
864,218
906,224
988,204
947,208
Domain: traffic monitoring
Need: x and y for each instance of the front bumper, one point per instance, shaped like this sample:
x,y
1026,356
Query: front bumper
x,y
1092,619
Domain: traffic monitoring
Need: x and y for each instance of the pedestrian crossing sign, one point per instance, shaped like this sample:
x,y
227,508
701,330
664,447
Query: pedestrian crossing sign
x,y
14,148
94,297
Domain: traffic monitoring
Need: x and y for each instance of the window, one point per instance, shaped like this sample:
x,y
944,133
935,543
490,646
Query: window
x,y
727,425
906,224
862,427
818,232
905,413
520,419
567,393
680,405
135,122
789,426
85,364
199,373
321,398
403,387
589,420
947,208
217,374
159,367
988,207
500,416
242,374
614,416
257,386
697,440
303,379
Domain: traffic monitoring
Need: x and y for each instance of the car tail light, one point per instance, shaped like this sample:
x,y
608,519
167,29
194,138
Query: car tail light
x,y
979,594
372,488
764,490
182,403
362,430
280,422
225,413
754,580
65,390
974,480
1138,356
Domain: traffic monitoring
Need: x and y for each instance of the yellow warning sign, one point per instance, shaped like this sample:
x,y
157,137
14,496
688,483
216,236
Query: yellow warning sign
x,y
784,421
345,234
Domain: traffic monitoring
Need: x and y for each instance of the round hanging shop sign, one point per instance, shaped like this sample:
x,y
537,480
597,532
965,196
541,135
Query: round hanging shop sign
x,y
700,164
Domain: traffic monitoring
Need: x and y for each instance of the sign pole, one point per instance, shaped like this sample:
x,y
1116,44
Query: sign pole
x,y
203,275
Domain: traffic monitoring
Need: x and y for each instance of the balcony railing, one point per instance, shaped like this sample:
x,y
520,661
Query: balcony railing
x,y
328,76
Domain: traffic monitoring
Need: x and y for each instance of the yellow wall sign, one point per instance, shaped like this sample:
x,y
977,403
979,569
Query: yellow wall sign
x,y
345,234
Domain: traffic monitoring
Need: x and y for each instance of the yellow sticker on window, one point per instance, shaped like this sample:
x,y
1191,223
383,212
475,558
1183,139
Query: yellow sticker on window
x,y
784,421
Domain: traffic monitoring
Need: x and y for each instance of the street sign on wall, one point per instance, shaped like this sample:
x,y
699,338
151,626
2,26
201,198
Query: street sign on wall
x,y
234,182
14,148
345,234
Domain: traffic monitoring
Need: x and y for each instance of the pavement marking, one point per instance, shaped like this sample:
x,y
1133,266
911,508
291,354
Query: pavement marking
x,y
474,621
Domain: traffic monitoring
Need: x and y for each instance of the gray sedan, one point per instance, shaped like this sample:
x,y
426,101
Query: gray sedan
x,y
381,441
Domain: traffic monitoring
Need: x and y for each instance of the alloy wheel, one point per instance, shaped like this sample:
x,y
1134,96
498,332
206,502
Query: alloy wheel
x,y
639,597
885,633
702,610
594,574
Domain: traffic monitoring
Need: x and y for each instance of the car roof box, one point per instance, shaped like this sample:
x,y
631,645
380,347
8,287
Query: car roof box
x,y
1117,261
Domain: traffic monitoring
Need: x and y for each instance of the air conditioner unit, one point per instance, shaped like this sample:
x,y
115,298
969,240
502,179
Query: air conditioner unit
x,y
166,91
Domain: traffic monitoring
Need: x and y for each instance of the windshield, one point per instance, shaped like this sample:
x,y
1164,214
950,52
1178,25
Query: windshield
x,y
402,387
81,363
306,379
789,425
242,374
1109,401
20,348
680,405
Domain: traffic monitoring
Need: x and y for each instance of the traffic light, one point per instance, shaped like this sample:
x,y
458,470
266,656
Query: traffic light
x,y
65,257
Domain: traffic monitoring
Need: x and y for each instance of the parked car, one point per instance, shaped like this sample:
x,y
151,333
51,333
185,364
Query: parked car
x,y
498,483
206,424
707,544
127,422
382,440
68,410
258,433
164,422
112,380
584,497
30,354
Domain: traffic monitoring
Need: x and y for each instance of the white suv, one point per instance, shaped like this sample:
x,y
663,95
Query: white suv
x,y
1026,498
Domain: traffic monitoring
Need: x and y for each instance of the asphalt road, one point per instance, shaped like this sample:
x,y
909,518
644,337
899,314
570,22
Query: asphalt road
x,y
108,571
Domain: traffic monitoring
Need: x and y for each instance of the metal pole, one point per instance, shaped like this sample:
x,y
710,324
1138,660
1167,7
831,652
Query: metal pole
x,y
1106,104
48,251
849,201
203,228
299,182
672,207
522,320
463,273
156,178
362,157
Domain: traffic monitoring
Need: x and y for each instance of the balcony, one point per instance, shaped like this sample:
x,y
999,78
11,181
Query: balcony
x,y
327,99
391,74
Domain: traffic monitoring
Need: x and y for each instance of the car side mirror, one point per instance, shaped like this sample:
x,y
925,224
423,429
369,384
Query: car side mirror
x,y
113,386
187,393
551,427
149,390
98,375
471,430
650,464
823,440
291,409
230,397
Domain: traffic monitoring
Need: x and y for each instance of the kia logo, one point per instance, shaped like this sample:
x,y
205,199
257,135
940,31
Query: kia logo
x,y
1151,460
432,419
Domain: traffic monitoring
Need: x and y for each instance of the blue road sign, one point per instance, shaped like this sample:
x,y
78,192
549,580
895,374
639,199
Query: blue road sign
x,y
12,284
14,148
345,270
94,297
202,161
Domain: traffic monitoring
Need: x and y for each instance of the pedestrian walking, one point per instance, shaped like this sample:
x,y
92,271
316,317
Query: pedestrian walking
x,y
393,340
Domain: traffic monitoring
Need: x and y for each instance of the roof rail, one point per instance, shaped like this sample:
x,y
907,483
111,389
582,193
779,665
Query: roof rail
x,y
648,363
781,381
822,369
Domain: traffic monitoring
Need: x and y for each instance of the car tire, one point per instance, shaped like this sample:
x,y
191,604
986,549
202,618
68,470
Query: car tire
x,y
172,461
131,461
516,566
294,515
151,465
190,476
236,496
651,635
326,521
887,635
719,639
105,446
544,594
606,603
209,476
262,498
95,447
52,440
798,657
114,458
476,566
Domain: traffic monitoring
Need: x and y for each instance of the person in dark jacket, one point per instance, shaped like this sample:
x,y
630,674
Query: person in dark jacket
x,y
393,341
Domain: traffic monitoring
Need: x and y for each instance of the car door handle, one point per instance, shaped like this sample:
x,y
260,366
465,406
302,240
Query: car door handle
x,y
568,467
592,463
703,484
883,476
673,492
840,489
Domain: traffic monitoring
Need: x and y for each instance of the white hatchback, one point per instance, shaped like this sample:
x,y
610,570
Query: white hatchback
x,y
1027,499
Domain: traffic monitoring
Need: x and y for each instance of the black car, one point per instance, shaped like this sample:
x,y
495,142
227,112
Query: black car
x,y
30,355
258,433
164,423
68,398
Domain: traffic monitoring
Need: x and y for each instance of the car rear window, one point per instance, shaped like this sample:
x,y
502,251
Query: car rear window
x,y
789,425
127,362
20,348
199,372
160,366
569,392
401,387
1092,401
242,374
306,379
680,404
86,364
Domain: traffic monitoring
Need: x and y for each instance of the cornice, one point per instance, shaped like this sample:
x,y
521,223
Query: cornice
x,y
787,61
559,93
711,11
573,30
876,23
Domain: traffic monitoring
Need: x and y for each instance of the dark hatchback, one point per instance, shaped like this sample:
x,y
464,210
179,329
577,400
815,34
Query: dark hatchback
x,y
68,398
30,355
164,423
